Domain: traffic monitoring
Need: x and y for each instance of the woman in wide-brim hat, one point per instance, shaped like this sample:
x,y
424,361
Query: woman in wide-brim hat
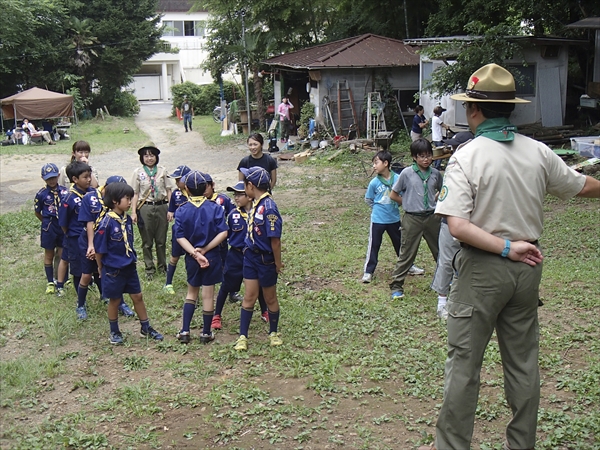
x,y
149,205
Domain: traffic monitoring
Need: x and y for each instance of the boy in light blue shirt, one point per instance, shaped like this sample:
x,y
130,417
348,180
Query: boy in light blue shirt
x,y
385,214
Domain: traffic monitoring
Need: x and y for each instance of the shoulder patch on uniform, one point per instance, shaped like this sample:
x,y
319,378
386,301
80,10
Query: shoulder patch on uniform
x,y
443,193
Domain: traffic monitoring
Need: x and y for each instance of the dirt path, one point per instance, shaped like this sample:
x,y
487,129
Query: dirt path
x,y
20,176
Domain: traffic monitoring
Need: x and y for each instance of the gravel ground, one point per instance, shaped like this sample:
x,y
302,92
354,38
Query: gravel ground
x,y
20,174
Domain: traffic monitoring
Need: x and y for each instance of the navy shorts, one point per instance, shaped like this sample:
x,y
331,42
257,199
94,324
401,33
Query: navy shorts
x,y
116,282
176,250
223,249
88,265
209,276
234,270
261,267
51,235
72,250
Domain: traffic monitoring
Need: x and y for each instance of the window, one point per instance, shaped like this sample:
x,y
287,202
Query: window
x,y
524,78
184,28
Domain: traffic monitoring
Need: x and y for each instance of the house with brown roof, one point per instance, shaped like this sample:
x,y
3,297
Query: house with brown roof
x,y
321,74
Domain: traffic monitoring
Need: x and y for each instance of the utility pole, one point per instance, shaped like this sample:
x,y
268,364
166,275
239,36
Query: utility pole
x,y
243,14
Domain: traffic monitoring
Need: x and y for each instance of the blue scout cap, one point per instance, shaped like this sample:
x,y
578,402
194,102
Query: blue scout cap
x,y
195,178
115,179
180,172
239,187
49,170
258,176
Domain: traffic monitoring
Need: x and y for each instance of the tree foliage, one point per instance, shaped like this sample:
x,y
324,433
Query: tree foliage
x,y
463,57
63,44
540,17
397,19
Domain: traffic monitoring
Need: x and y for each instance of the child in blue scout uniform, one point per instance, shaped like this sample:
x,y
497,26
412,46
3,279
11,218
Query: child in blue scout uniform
x,y
116,258
199,228
178,198
80,174
234,264
262,257
416,190
225,202
46,206
91,212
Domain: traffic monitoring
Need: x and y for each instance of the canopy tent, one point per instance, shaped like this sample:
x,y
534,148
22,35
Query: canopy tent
x,y
36,103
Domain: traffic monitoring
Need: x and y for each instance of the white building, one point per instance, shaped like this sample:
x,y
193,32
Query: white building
x,y
184,31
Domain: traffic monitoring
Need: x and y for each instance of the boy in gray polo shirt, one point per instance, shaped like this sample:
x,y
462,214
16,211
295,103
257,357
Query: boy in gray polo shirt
x,y
416,190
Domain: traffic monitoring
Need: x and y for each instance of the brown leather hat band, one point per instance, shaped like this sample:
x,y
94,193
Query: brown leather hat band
x,y
491,95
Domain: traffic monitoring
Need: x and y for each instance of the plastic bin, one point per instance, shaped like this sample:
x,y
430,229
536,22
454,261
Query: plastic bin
x,y
586,147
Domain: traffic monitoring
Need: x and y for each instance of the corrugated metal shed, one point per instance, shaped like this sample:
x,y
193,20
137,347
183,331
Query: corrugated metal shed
x,y
589,22
368,50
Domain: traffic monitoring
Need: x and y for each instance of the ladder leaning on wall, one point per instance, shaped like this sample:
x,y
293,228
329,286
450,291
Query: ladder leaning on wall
x,y
346,114
376,122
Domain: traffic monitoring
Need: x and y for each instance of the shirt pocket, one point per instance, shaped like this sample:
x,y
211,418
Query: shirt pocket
x,y
237,227
116,236
46,223
460,324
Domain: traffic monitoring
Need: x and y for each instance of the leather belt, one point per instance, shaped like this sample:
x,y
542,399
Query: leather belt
x,y
157,203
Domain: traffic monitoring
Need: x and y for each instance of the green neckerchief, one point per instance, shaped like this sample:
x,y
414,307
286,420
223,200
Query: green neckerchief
x,y
152,175
385,182
499,129
424,176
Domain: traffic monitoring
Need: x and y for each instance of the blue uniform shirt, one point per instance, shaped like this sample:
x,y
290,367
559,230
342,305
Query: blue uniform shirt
x,y
237,220
264,223
68,214
178,198
224,201
47,201
199,224
91,208
115,246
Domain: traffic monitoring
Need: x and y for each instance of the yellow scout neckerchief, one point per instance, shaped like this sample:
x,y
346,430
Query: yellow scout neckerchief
x,y
251,215
197,201
123,222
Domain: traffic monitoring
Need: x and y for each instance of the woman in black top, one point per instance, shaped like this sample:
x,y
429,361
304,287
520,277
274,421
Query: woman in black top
x,y
258,158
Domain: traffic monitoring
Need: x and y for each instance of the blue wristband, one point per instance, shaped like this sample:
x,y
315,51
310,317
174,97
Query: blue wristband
x,y
506,250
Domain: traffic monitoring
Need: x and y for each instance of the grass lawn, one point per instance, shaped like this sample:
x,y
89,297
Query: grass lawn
x,y
106,135
356,370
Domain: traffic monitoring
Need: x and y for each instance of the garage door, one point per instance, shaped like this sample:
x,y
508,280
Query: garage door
x,y
147,87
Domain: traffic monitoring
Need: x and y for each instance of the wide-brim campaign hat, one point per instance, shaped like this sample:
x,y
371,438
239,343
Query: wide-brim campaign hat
x,y
459,138
491,83
258,176
238,187
149,146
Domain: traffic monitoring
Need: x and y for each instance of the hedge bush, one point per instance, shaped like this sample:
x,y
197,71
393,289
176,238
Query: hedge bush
x,y
204,97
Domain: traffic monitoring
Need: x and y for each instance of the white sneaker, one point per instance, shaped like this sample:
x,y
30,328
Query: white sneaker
x,y
414,270
367,277
442,313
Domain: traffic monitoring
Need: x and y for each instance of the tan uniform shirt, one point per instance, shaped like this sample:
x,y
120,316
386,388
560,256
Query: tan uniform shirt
x,y
142,186
500,186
